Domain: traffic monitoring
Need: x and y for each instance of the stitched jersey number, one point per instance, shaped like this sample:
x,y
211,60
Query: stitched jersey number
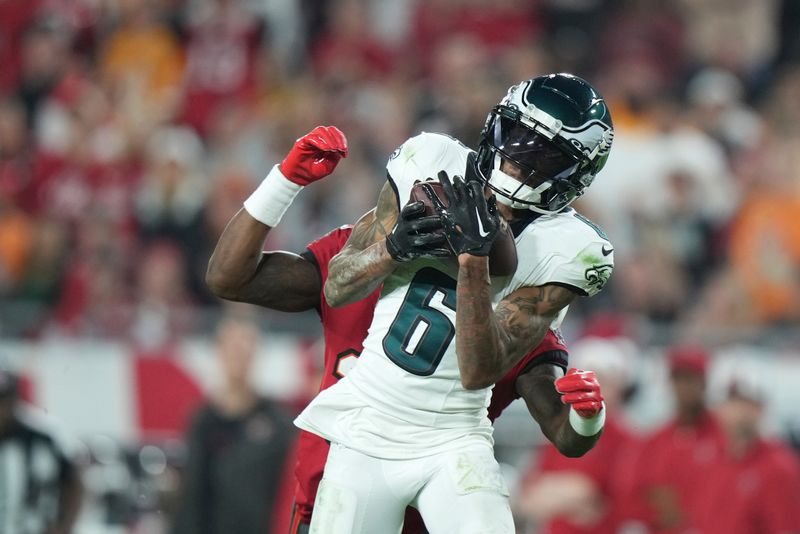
x,y
421,332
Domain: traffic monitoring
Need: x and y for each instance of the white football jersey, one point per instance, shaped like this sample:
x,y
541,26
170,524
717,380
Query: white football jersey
x,y
404,398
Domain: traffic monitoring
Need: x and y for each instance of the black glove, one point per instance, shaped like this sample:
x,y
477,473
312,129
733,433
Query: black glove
x,y
470,221
416,236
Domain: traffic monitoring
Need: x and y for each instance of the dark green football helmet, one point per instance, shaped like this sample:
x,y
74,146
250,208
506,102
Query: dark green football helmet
x,y
557,130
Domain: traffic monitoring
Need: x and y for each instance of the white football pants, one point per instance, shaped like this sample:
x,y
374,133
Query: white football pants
x,y
459,491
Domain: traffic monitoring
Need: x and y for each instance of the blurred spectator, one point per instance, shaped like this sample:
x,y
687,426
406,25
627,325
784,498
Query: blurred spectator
x,y
224,49
240,134
499,26
163,309
663,202
759,285
173,196
142,62
779,105
573,31
173,188
238,445
765,242
16,229
44,59
44,273
673,460
462,70
646,35
718,99
347,51
16,226
95,299
754,486
582,495
739,35
15,148
15,17
83,163
41,485
790,40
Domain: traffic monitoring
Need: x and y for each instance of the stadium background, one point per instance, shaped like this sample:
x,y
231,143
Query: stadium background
x,y
131,130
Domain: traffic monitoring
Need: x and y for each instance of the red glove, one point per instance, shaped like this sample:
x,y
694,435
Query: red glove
x,y
581,390
315,155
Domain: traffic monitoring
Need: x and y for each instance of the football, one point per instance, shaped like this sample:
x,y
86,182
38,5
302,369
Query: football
x,y
502,256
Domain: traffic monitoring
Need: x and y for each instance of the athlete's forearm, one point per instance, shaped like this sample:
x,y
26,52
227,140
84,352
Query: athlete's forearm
x,y
555,426
355,274
570,443
482,347
364,263
537,388
236,256
489,342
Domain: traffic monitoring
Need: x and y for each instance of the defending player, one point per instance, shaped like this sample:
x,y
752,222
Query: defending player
x,y
239,271
408,424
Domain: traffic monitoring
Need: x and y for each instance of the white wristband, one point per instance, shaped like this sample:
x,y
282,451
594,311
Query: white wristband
x,y
587,426
272,198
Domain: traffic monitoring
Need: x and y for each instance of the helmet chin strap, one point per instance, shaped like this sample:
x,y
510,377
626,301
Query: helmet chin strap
x,y
512,188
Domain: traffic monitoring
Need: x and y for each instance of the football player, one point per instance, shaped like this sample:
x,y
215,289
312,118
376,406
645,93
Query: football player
x,y
239,270
408,424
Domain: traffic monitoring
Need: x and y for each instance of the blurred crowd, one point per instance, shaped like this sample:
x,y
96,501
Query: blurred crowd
x,y
131,130
708,469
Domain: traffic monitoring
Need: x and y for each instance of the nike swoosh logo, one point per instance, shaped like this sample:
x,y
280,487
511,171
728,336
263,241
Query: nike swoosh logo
x,y
481,230
606,251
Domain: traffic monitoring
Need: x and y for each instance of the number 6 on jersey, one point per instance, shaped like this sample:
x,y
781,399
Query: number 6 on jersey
x,y
421,331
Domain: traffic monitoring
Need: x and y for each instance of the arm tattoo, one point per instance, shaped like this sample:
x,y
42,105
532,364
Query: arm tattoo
x,y
526,314
473,319
376,224
363,264
489,343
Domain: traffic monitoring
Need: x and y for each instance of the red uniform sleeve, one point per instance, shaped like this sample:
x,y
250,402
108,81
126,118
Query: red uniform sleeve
x,y
552,349
320,252
326,247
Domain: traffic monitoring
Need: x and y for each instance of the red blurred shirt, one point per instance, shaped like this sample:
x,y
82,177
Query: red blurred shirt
x,y
222,55
604,465
756,494
15,17
674,459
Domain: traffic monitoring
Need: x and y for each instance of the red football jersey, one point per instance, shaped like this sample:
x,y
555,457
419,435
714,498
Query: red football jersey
x,y
344,330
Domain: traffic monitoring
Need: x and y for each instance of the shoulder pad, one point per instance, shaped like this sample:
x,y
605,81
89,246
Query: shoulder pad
x,y
566,248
